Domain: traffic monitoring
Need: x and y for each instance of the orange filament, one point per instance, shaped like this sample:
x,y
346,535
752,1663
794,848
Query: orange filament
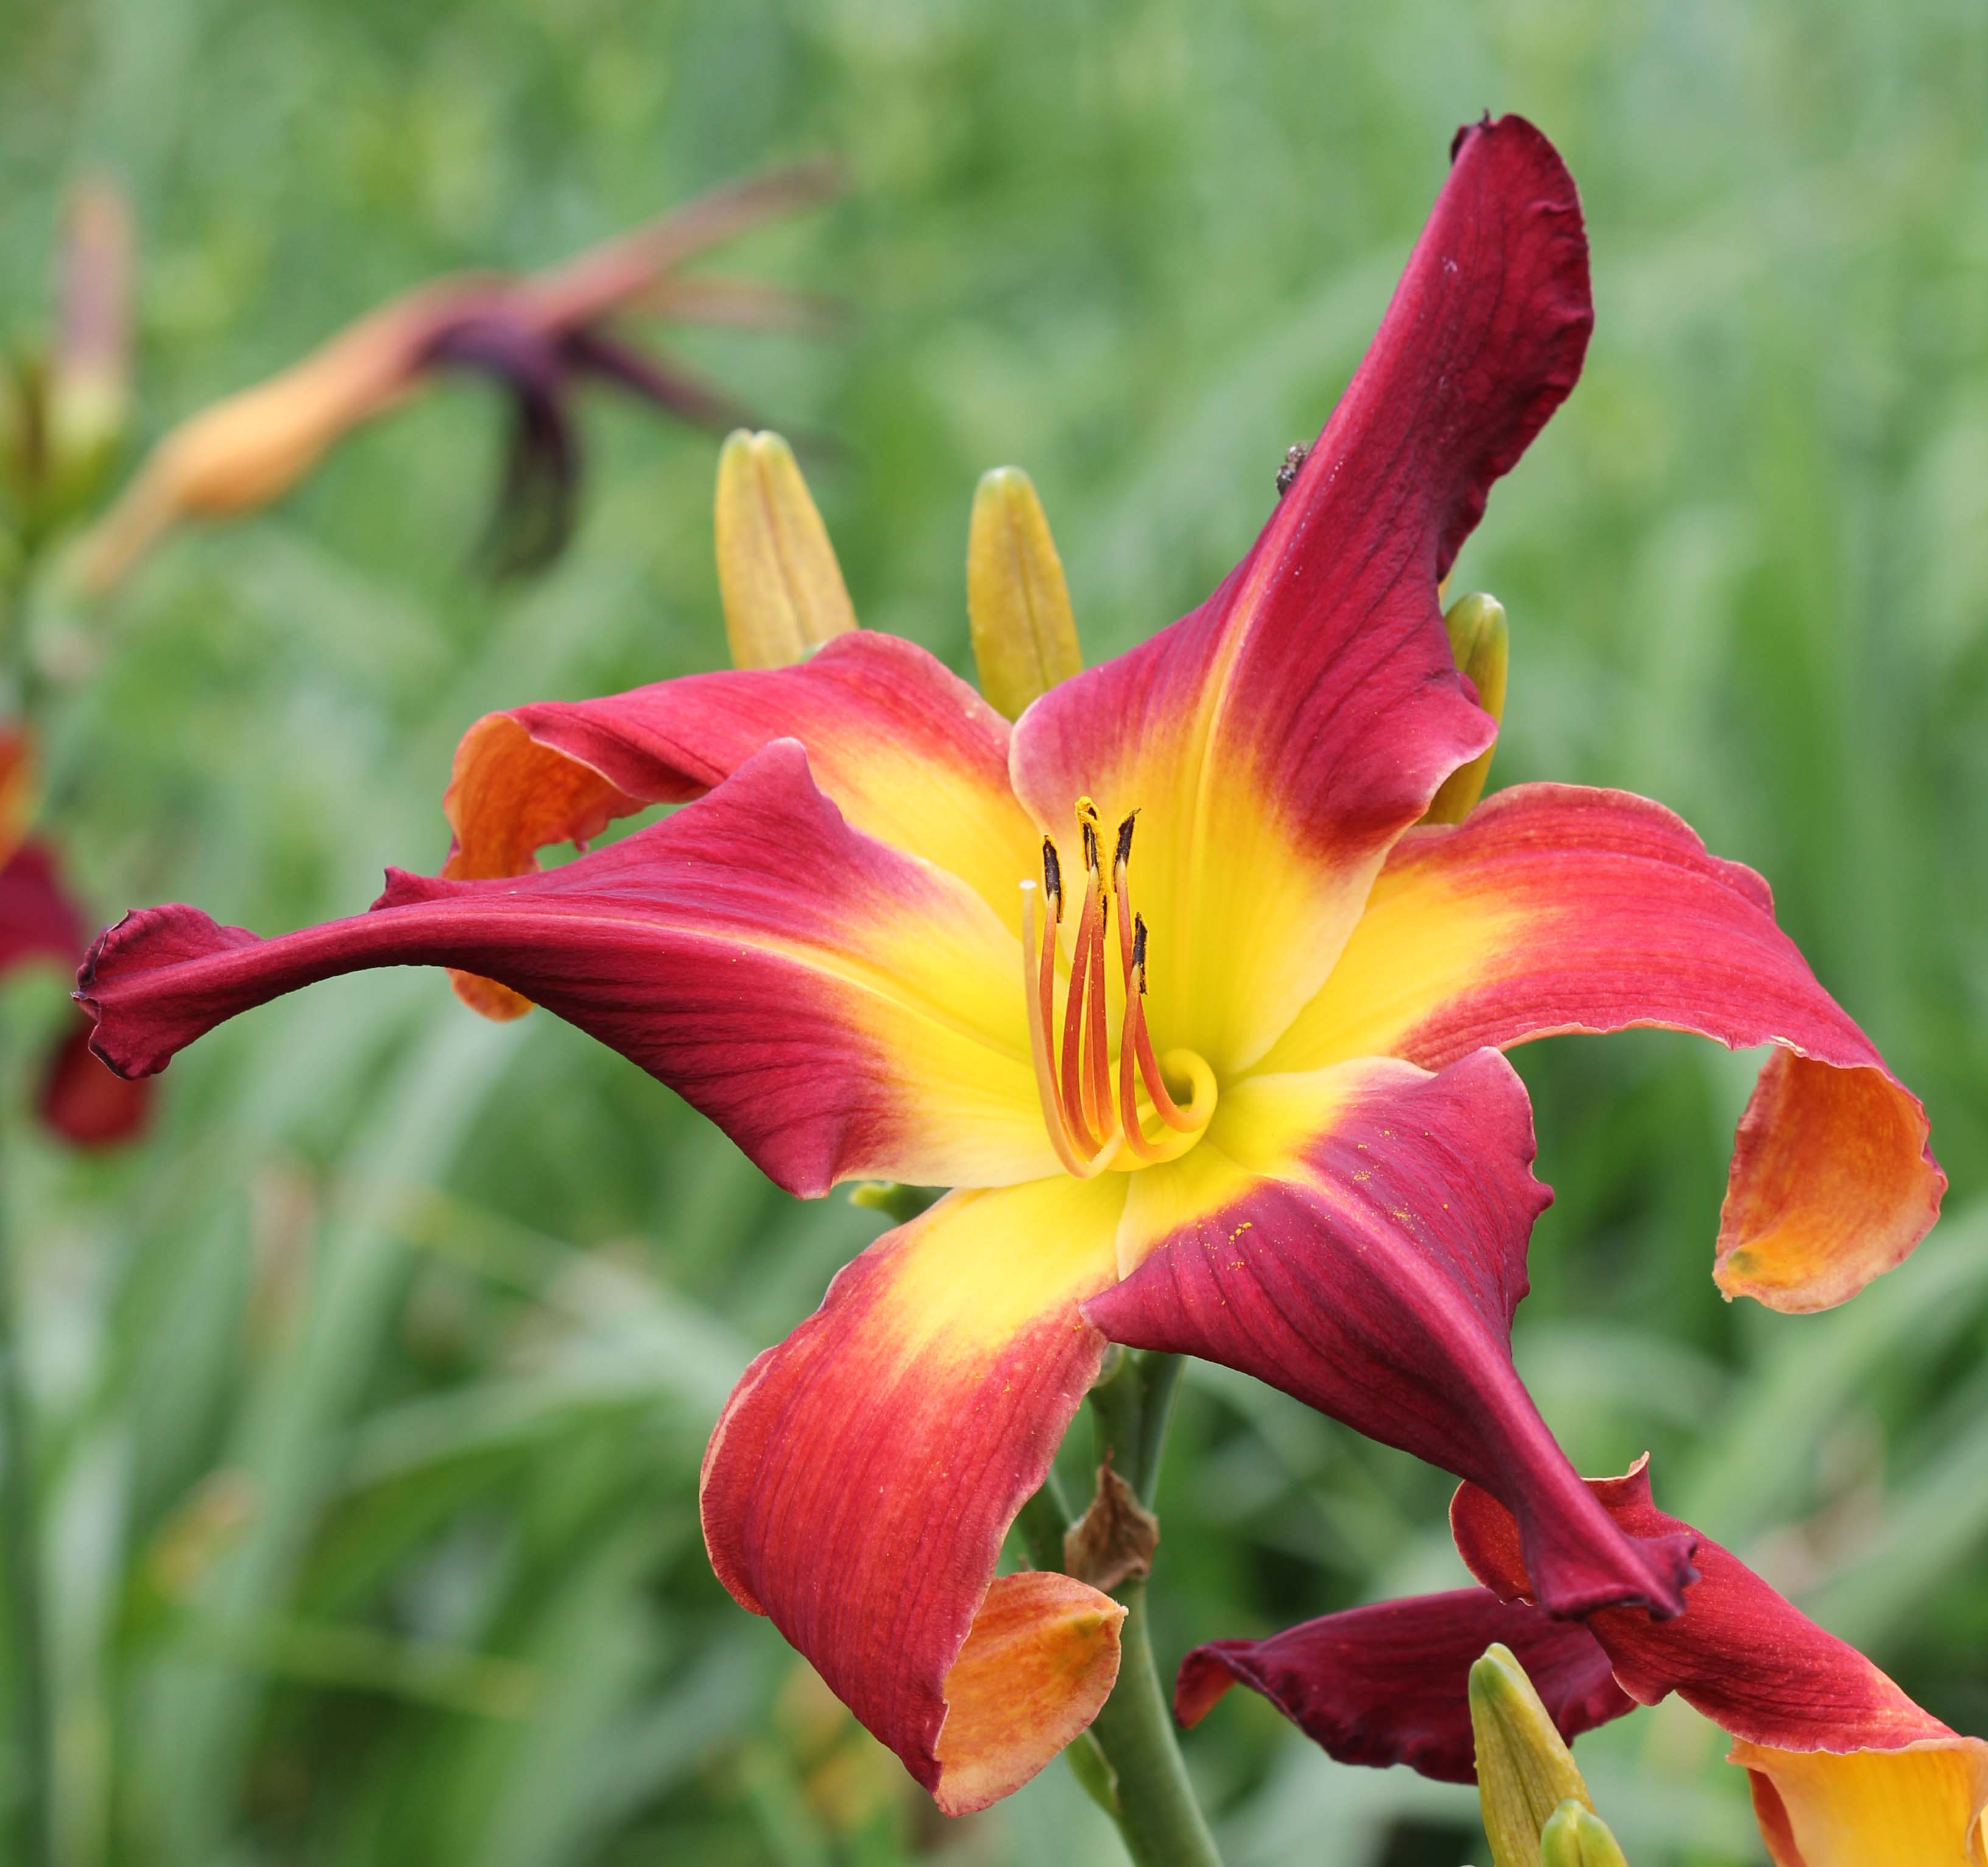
x,y
1088,1124
1040,992
1134,1040
1080,1108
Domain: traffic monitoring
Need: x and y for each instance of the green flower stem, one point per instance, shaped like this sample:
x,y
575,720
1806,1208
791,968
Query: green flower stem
x,y
21,1551
1157,1813
1130,1760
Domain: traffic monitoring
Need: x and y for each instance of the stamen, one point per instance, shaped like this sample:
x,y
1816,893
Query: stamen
x,y
1053,878
1120,863
1079,1101
1038,993
1135,985
1134,1039
1098,1112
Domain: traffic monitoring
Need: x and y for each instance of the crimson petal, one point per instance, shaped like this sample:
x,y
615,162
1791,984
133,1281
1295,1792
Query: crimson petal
x,y
1281,736
1555,908
1356,1238
1748,1660
838,1007
1389,1683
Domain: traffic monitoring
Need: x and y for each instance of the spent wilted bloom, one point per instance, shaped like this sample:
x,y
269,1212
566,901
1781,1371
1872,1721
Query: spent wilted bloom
x,y
1163,980
1845,1769
537,336
79,1100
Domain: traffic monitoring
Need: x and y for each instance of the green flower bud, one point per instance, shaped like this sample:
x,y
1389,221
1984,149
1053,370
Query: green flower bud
x,y
1017,603
1481,643
1576,1837
1525,1772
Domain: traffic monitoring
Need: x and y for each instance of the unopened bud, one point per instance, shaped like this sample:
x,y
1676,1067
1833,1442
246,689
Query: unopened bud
x,y
1525,1770
90,363
1576,1837
1481,643
782,590
1017,603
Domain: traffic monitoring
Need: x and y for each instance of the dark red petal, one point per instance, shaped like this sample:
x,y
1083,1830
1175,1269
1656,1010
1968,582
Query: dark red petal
x,y
1556,908
1389,1683
1740,1653
83,1101
1304,715
837,1007
38,919
1374,1276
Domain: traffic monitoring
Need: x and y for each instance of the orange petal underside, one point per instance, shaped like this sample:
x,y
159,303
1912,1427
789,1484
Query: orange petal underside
x,y
1042,1658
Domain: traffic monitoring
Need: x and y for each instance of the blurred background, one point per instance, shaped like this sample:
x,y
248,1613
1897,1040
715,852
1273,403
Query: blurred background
x,y
370,1389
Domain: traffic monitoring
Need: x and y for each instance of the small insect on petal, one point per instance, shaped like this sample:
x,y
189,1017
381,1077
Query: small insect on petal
x,y
782,589
1017,603
1480,641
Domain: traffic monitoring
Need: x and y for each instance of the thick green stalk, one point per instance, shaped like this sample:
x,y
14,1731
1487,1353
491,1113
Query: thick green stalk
x,y
21,1553
1129,1759
1157,1812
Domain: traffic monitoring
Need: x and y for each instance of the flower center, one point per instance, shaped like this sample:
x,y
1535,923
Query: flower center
x,y
1093,1106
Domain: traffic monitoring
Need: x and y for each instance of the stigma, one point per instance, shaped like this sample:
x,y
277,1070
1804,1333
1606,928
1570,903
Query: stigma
x,y
1090,1086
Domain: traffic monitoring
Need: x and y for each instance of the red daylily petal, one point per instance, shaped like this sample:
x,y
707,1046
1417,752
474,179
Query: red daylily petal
x,y
1555,908
906,750
1280,737
83,1101
1390,1684
1356,1238
37,920
1847,1772
1748,1660
838,1008
865,1471
79,1099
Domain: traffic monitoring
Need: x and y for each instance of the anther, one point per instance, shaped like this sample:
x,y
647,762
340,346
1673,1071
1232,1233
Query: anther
x,y
1053,878
1124,852
1139,951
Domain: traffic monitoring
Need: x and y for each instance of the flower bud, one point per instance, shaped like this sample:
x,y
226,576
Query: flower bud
x,y
89,366
1524,1769
1576,1837
782,588
1480,642
1017,603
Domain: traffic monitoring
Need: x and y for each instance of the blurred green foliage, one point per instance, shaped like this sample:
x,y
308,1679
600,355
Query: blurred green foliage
x,y
372,1389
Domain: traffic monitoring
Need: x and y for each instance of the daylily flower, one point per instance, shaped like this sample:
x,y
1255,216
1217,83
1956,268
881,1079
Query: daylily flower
x,y
1163,983
1845,1769
79,1099
536,337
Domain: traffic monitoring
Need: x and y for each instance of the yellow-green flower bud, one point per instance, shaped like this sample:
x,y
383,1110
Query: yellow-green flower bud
x,y
1524,1770
777,574
89,366
1576,1837
1481,643
1017,603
